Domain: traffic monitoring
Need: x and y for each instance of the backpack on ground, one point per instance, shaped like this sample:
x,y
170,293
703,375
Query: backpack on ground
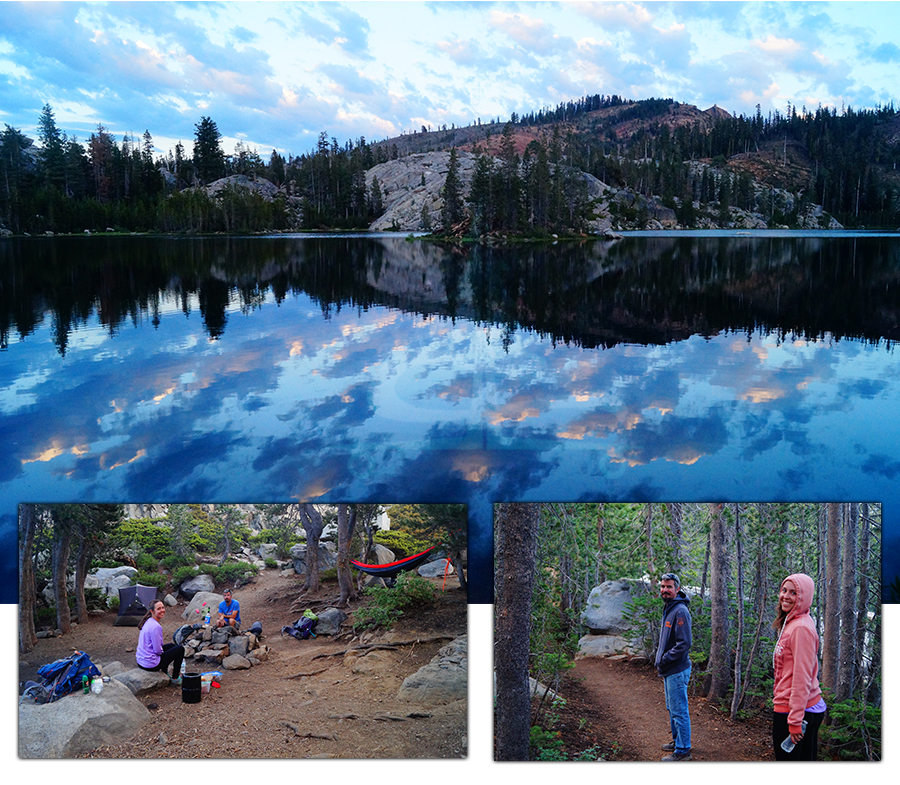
x,y
61,677
303,628
184,632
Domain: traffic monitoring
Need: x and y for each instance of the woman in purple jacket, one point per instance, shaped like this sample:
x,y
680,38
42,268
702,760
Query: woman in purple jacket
x,y
152,654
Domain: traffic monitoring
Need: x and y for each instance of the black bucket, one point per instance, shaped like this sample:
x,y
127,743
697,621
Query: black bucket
x,y
190,688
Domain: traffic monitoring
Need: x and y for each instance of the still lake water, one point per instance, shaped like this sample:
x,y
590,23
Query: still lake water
x,y
655,368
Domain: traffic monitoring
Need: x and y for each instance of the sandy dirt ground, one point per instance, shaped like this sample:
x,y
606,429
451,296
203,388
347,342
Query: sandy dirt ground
x,y
619,705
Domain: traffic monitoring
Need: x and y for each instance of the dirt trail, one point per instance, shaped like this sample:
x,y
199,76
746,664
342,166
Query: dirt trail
x,y
621,702
343,708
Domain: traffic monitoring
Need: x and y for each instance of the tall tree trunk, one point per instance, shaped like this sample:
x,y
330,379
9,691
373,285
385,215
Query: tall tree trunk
x,y
311,520
762,581
60,550
456,560
517,529
831,639
822,524
27,523
676,528
873,687
346,529
82,563
862,606
738,654
648,533
600,576
717,680
847,667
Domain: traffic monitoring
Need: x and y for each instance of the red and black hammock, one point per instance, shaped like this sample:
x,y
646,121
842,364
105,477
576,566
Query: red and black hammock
x,y
392,569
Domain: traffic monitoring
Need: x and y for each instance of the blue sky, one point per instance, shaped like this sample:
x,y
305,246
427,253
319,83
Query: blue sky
x,y
274,75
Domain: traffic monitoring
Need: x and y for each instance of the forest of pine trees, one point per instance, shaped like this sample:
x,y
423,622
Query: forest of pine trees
x,y
550,556
62,184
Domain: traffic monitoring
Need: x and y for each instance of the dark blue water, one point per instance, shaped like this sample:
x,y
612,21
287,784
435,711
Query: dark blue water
x,y
383,370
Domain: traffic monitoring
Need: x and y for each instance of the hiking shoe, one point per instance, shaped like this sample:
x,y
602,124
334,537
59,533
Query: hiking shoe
x,y
670,747
679,756
176,682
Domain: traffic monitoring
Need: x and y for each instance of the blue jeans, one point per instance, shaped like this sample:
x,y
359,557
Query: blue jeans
x,y
677,703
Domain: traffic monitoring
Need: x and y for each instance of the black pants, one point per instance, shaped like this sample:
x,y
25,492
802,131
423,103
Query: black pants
x,y
808,748
170,653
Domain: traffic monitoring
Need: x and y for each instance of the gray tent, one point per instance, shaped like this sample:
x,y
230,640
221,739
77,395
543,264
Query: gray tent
x,y
134,601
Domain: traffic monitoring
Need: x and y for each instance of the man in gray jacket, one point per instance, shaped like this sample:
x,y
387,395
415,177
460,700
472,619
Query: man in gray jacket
x,y
674,665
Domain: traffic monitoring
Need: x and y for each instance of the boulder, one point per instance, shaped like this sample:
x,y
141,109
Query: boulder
x,y
330,621
240,645
604,646
604,613
199,583
211,600
223,634
110,579
112,668
212,656
436,569
235,662
80,723
140,682
443,680
327,557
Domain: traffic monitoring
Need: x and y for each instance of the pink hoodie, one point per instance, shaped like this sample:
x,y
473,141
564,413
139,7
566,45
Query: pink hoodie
x,y
796,657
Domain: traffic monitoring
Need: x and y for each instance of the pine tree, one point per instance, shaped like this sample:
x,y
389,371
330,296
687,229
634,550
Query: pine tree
x,y
53,163
480,198
209,158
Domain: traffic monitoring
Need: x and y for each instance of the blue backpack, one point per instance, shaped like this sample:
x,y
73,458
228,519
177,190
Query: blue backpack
x,y
303,628
61,677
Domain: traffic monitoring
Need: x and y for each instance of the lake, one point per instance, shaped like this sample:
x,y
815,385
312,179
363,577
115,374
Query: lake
x,y
659,367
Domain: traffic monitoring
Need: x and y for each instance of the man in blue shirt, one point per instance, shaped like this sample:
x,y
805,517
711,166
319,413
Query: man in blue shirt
x,y
674,665
229,611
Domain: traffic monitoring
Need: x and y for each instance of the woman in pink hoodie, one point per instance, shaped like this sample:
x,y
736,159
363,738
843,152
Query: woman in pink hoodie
x,y
798,707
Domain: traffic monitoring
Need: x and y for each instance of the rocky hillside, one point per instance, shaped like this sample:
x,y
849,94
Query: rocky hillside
x,y
411,188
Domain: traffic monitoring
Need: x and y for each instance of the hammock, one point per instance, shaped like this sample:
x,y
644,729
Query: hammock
x,y
394,568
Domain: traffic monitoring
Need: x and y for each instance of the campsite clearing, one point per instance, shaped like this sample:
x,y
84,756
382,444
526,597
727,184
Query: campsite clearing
x,y
316,698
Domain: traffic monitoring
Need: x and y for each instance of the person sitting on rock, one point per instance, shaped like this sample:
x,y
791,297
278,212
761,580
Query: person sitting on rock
x,y
151,654
229,611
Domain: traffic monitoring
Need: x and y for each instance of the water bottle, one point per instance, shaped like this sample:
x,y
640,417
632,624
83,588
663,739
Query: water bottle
x,y
206,619
96,685
788,745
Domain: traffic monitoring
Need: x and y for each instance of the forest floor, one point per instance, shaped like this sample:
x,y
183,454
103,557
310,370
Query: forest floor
x,y
617,705
306,700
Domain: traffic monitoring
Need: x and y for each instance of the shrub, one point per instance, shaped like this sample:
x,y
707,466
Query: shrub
x,y
388,605
146,563
854,732
229,572
156,579
182,574
145,535
642,615
401,543
95,599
